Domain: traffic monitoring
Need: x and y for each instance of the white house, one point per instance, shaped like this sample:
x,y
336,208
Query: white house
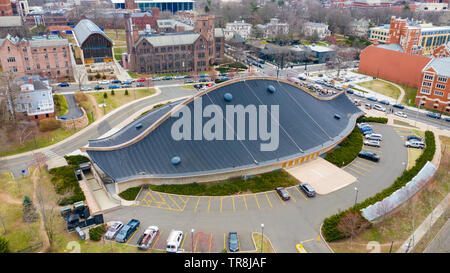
x,y
274,28
35,97
239,27
320,28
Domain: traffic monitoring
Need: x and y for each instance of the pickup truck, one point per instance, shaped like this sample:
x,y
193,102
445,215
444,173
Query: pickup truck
x,y
148,237
126,232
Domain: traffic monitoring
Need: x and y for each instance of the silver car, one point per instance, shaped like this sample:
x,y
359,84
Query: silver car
x,y
373,143
379,108
400,114
414,144
113,230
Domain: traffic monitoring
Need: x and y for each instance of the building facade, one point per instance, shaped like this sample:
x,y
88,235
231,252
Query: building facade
x,y
6,8
320,28
434,92
49,56
95,45
239,27
163,5
35,98
274,28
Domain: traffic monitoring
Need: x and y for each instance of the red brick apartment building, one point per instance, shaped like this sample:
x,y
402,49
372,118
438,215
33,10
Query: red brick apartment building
x,y
6,8
434,92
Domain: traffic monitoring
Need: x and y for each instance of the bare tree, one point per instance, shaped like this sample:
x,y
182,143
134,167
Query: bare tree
x,y
352,223
11,92
23,131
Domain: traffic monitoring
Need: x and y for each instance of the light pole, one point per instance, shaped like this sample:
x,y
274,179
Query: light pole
x,y
356,198
192,239
262,237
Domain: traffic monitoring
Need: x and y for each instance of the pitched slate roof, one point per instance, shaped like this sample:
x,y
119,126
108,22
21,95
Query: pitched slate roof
x,y
306,123
172,39
440,65
84,29
394,47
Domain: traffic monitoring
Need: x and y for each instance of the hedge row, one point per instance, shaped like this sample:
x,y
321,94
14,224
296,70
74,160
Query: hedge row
x,y
372,119
76,159
330,224
96,233
130,194
348,150
66,183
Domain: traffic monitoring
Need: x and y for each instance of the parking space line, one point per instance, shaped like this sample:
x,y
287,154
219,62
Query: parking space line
x,y
157,238
209,203
301,193
369,165
176,204
210,243
196,241
356,171
132,235
221,198
198,201
224,244
359,167
257,203
182,243
164,200
245,202
292,196
234,208
182,200
187,200
268,199
281,200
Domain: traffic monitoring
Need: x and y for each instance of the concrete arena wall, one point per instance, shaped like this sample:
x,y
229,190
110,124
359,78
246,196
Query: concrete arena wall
x,y
392,65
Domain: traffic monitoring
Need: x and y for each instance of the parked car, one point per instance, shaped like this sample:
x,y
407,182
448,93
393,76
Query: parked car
x,y
223,74
139,84
178,77
349,91
63,84
157,79
399,106
307,189
413,137
282,192
362,124
127,82
116,81
447,119
126,232
373,143
103,82
369,155
126,86
113,86
385,102
374,137
148,237
141,80
414,144
357,102
372,98
174,241
204,80
434,115
86,88
379,108
189,81
113,230
167,78
400,114
98,87
368,106
233,242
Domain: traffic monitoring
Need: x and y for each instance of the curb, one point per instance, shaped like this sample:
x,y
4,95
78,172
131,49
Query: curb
x,y
323,238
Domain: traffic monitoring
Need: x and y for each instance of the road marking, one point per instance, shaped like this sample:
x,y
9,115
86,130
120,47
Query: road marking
x,y
187,200
245,202
234,209
257,203
281,200
157,238
132,235
224,244
301,193
210,243
163,200
182,243
292,196
176,204
196,241
356,171
221,198
268,199
198,201
362,168
300,248
368,164
209,203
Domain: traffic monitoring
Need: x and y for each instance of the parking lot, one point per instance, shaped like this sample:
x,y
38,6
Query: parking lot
x,y
287,223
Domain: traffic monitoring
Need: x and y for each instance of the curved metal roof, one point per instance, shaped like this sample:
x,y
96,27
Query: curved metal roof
x,y
306,123
84,29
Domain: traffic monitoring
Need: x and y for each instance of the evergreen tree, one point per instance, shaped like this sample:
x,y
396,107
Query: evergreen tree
x,y
4,245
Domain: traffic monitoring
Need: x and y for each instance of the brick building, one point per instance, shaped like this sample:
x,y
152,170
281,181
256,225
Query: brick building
x,y
95,45
48,56
6,8
195,50
434,92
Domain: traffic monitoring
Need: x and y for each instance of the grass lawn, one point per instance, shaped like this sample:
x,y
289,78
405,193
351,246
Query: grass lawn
x,y
43,140
258,183
188,86
119,98
118,52
119,39
397,226
61,106
19,234
403,123
382,87
413,154
267,246
410,95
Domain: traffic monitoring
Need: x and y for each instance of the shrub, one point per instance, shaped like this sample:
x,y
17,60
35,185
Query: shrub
x,y
130,194
4,245
126,92
112,92
97,76
90,78
105,95
49,124
76,159
96,233
80,97
330,225
348,150
66,183
372,119
104,77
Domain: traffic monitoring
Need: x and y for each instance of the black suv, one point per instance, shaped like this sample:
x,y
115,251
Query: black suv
x,y
98,87
369,156
307,189
414,137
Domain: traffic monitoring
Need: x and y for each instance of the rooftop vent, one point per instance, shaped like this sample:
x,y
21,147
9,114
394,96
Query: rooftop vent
x,y
271,89
138,126
175,160
228,97
336,116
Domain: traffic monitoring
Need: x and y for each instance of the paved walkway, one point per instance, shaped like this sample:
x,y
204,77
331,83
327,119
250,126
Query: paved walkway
x,y
74,111
402,91
441,242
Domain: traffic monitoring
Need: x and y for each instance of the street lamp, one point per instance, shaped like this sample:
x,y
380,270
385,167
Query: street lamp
x,y
192,239
356,198
262,237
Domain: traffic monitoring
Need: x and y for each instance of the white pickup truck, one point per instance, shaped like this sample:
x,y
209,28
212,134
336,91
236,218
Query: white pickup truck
x,y
148,237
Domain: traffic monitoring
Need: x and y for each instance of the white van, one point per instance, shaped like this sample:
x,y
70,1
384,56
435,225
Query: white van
x,y
174,241
374,137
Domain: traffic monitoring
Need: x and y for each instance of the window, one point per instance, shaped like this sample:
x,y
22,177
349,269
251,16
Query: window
x,y
439,93
11,59
426,83
440,86
442,79
24,49
38,66
48,66
425,91
46,56
28,68
429,77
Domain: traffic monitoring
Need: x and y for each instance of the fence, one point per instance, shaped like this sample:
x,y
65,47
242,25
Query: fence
x,y
31,248
391,202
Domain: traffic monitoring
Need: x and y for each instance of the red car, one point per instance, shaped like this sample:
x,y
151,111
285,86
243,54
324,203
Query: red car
x,y
141,80
283,193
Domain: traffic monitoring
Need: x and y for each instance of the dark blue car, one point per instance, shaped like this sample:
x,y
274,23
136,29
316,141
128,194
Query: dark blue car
x,y
233,241
116,81
63,84
112,86
372,98
434,115
399,106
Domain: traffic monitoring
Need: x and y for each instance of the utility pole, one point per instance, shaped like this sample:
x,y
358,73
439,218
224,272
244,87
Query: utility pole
x,y
262,237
